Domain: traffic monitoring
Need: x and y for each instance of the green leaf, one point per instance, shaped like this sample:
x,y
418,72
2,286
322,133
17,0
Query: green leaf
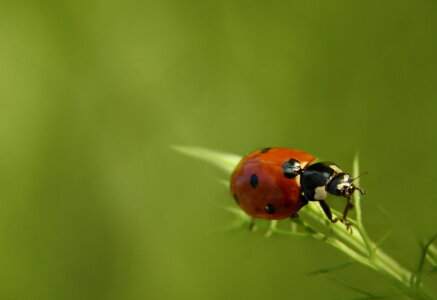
x,y
290,233
357,196
237,212
331,269
431,256
224,182
369,297
415,279
367,294
225,161
383,238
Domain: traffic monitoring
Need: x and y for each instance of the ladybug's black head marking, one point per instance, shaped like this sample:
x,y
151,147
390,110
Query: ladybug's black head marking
x,y
342,185
291,168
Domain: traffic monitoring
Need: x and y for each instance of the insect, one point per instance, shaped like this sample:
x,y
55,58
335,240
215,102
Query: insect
x,y
275,183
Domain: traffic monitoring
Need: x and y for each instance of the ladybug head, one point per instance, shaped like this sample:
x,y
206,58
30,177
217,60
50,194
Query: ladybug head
x,y
342,185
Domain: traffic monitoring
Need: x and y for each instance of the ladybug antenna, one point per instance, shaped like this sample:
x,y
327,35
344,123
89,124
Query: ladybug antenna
x,y
364,173
357,188
363,192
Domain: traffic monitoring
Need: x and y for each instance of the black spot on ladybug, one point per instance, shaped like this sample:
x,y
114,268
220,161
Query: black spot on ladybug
x,y
265,150
254,180
236,199
291,168
270,209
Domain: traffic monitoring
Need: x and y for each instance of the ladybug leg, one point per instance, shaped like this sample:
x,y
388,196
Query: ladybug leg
x,y
252,224
348,225
304,200
295,217
348,207
327,211
272,227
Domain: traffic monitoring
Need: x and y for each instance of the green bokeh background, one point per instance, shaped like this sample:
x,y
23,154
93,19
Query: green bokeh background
x,y
94,203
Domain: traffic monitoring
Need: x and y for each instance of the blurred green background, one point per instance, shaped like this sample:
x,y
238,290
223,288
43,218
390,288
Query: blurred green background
x,y
94,203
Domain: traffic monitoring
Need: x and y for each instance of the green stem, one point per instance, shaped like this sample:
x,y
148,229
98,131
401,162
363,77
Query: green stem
x,y
357,200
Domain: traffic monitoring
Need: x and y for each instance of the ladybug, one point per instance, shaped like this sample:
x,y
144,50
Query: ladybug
x,y
275,183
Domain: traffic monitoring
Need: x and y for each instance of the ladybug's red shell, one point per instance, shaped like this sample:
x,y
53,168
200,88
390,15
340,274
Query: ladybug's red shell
x,y
260,188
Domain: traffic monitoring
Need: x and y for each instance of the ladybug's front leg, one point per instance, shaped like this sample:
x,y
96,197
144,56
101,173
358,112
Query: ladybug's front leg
x,y
328,214
327,211
348,207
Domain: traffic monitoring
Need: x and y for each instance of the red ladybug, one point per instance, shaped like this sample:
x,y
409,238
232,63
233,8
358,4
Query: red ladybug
x,y
275,183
